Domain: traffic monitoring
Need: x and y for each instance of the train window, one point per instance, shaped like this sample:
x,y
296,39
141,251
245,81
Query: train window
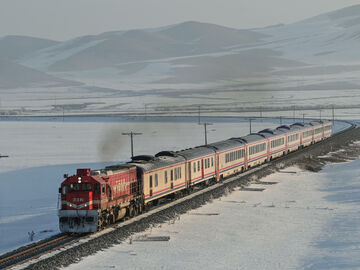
x,y
194,164
64,190
198,165
165,177
172,175
212,162
156,180
86,187
75,186
180,172
103,189
176,173
151,181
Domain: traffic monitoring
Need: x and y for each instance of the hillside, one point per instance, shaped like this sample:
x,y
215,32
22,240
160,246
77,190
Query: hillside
x,y
13,75
325,39
109,49
194,52
16,47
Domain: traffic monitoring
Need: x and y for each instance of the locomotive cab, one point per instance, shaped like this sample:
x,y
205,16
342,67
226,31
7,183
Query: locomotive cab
x,y
80,201
93,199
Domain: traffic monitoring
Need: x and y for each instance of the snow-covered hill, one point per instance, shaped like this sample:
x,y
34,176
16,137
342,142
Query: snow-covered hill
x,y
13,75
193,52
207,63
15,47
108,49
331,38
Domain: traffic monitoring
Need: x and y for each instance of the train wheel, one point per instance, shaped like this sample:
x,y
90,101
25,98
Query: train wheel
x,y
111,219
131,211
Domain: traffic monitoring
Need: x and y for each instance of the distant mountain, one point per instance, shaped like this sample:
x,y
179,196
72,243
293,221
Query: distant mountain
x,y
108,49
13,75
193,52
325,39
15,47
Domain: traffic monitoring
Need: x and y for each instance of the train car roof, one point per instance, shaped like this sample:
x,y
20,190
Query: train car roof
x,y
253,137
156,162
112,169
196,152
287,129
268,133
301,125
227,144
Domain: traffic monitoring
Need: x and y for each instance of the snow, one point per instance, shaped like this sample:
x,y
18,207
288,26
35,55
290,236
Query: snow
x,y
307,40
44,58
306,221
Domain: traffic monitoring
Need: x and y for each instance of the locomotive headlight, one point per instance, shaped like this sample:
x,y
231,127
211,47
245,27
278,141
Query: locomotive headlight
x,y
79,179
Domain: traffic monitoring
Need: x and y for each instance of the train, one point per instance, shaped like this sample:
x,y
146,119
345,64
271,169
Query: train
x,y
93,199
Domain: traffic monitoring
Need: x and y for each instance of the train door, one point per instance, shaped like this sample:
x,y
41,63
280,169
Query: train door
x,y
202,168
172,179
151,185
268,149
217,166
246,157
188,177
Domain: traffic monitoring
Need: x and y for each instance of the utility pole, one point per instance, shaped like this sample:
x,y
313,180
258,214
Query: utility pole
x,y
145,105
63,112
294,114
333,114
303,118
132,134
205,130
199,115
320,114
280,120
250,119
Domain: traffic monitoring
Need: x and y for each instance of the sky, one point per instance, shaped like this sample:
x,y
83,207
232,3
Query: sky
x,y
66,19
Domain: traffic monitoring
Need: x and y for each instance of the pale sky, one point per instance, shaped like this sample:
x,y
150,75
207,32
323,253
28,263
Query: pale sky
x,y
65,19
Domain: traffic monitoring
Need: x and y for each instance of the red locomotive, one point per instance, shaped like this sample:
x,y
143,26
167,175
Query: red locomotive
x,y
92,199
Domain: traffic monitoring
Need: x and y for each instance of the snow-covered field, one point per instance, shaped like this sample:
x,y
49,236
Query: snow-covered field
x,y
306,221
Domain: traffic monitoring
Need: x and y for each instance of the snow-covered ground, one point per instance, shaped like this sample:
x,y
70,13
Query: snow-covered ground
x,y
306,221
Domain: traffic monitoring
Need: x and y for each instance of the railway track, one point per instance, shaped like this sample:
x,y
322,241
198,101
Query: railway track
x,y
26,253
36,250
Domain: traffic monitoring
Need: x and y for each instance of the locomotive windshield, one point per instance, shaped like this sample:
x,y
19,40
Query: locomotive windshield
x,y
74,187
86,187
